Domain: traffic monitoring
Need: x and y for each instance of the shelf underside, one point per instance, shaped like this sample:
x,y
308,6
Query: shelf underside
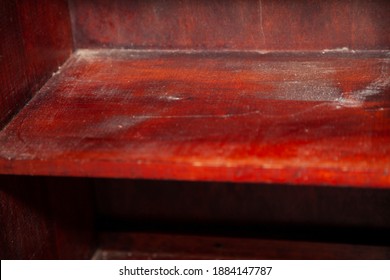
x,y
300,118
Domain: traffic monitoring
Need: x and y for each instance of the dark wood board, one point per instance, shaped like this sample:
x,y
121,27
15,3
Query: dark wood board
x,y
46,218
232,24
266,211
35,40
170,246
295,118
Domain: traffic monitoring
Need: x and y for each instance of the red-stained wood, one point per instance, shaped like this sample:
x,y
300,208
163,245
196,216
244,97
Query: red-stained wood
x,y
35,40
26,232
46,218
222,113
72,202
231,24
164,246
296,118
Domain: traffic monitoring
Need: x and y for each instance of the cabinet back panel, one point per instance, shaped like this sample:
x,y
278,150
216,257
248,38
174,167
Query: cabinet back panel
x,y
319,213
231,24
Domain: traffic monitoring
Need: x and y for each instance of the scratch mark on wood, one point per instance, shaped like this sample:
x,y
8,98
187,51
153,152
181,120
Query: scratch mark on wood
x,y
241,114
261,21
357,98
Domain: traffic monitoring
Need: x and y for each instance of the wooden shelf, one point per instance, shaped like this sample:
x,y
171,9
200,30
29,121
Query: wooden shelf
x,y
138,245
295,118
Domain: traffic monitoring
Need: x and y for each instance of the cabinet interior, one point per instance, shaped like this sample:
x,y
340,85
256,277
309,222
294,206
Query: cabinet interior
x,y
195,129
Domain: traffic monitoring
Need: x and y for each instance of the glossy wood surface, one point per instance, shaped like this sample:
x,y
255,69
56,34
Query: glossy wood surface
x,y
232,24
164,246
296,118
35,39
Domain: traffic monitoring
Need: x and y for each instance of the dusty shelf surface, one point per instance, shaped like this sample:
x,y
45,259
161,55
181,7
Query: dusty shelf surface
x,y
296,118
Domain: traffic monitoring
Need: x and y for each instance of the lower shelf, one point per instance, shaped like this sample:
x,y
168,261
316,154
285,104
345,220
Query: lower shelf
x,y
121,246
295,118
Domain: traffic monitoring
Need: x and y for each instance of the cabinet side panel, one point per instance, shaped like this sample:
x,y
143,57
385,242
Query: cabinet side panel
x,y
36,39
231,24
26,231
46,218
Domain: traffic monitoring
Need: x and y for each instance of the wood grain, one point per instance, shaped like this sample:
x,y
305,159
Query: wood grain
x,y
35,40
164,246
295,118
26,232
46,218
267,211
231,24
